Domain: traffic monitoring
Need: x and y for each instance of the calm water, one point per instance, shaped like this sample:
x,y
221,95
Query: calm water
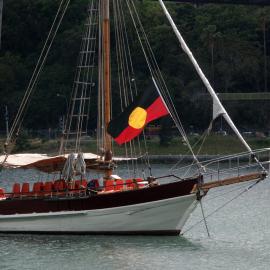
x,y
240,239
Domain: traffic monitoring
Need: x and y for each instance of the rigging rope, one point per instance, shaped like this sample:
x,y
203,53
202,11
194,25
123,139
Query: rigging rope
x,y
156,73
126,76
63,6
204,219
216,101
79,108
101,120
223,205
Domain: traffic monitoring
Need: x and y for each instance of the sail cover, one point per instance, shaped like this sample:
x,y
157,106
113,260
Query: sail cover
x,y
41,162
146,107
49,164
217,109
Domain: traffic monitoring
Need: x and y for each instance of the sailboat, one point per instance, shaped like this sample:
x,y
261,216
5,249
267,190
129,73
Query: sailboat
x,y
74,202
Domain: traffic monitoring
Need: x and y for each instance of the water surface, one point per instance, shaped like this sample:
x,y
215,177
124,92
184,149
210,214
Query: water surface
x,y
240,239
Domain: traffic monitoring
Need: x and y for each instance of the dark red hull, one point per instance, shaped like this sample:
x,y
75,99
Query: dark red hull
x,y
55,204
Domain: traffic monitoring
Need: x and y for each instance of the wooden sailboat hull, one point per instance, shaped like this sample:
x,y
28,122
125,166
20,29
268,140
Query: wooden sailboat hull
x,y
149,215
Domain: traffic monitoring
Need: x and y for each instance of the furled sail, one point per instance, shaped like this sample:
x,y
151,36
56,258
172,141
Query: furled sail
x,y
217,110
69,167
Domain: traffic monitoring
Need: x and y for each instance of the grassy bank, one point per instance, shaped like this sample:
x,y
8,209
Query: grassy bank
x,y
213,145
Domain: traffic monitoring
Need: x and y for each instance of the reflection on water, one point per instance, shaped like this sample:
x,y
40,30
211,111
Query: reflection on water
x,y
100,252
81,252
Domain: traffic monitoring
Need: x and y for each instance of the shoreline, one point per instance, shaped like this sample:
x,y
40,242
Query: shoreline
x,y
216,147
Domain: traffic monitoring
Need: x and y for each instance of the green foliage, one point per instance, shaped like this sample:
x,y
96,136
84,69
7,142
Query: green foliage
x,y
226,40
165,135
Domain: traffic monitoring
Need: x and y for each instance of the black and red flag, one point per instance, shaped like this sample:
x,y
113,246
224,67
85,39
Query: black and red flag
x,y
129,124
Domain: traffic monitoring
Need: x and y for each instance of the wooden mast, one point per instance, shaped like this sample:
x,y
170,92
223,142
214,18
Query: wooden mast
x,y
107,80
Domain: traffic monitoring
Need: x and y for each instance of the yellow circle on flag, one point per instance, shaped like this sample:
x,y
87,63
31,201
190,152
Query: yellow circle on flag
x,y
137,118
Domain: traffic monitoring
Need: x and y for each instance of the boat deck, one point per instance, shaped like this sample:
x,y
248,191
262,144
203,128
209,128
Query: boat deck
x,y
85,199
77,188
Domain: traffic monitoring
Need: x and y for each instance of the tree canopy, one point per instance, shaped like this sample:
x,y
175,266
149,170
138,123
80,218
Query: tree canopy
x,y
231,43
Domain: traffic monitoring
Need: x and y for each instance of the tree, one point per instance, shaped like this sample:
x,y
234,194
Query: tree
x,y
264,18
210,36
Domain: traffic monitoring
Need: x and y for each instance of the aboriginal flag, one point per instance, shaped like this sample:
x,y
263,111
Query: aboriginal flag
x,y
129,124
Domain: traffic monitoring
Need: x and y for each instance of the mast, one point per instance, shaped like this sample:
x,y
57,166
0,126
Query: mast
x,y
106,79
